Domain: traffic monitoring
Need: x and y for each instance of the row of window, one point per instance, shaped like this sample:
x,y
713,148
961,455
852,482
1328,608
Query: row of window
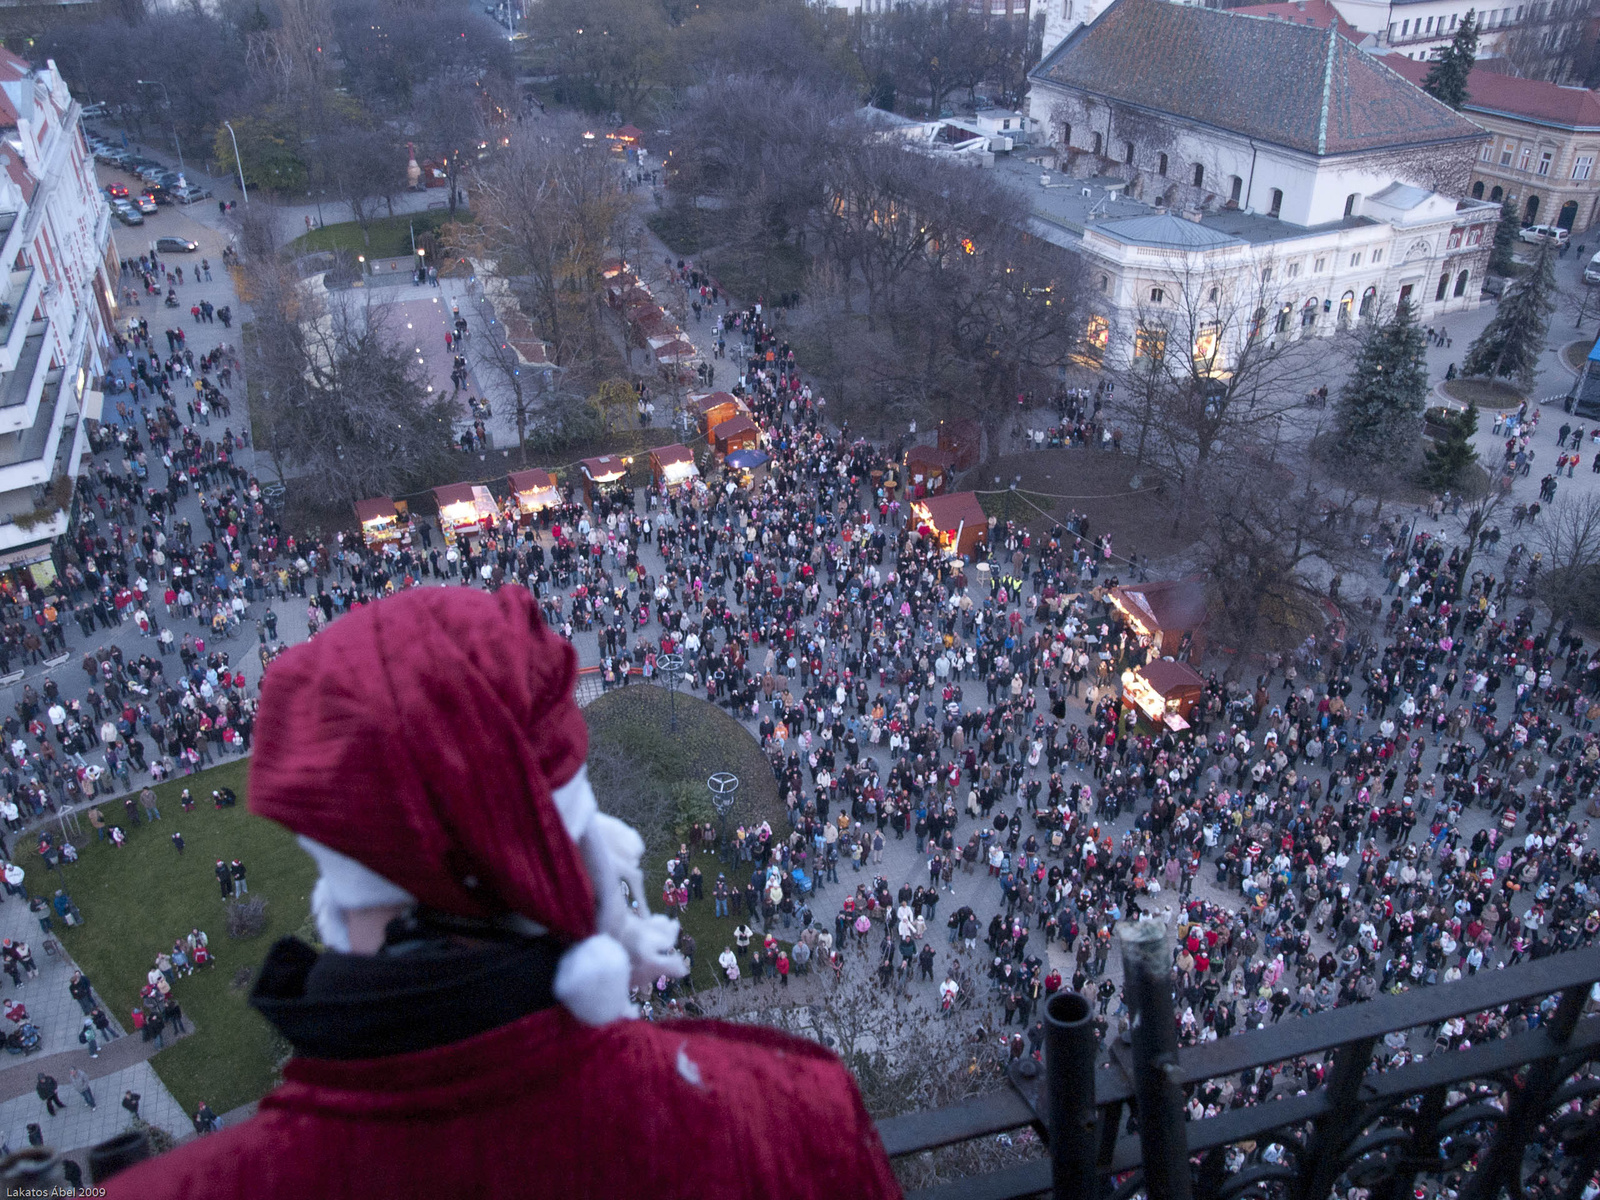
x,y
1566,218
1494,18
1510,153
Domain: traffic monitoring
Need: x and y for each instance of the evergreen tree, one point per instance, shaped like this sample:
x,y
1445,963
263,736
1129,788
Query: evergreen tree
x,y
1510,345
1449,458
1447,78
1381,403
1505,239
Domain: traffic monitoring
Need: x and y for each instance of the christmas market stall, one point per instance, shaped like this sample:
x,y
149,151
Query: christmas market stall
x,y
673,466
465,509
747,466
602,475
534,491
1163,692
713,408
736,433
1167,617
956,519
929,470
383,519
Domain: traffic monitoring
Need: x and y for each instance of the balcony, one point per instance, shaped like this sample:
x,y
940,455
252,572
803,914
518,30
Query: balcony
x,y
27,456
20,296
1467,1119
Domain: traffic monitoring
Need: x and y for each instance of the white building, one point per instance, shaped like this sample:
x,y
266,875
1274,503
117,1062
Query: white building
x,y
59,306
1416,28
1253,158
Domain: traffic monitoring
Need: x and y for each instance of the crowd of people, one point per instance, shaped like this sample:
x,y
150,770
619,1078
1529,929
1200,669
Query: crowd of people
x,y
1373,812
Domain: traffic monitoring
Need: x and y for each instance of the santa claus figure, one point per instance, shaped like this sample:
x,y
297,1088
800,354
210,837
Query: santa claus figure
x,y
469,1030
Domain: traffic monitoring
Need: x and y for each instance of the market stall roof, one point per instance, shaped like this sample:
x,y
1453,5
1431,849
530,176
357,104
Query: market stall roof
x,y
676,350
710,400
532,480
950,512
606,469
1168,676
628,133
734,426
453,493
1170,604
931,456
747,459
376,508
666,456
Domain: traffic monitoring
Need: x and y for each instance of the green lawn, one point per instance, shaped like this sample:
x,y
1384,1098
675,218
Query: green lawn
x,y
136,900
646,774
391,236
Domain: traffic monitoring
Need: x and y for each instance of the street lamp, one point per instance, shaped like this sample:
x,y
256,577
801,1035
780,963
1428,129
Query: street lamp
x,y
167,96
722,786
671,666
237,161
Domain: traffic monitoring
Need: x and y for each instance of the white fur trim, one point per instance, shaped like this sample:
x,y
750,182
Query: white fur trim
x,y
592,981
343,886
576,804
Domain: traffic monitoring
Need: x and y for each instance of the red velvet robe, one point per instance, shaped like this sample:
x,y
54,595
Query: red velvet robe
x,y
545,1106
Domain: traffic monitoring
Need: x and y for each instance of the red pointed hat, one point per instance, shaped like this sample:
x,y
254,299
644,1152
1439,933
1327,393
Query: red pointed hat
x,y
422,736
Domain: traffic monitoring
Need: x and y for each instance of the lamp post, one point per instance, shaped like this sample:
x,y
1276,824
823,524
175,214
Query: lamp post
x,y
722,786
167,99
671,666
237,161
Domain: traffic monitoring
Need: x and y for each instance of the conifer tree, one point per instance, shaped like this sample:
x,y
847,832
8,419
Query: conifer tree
x,y
1505,239
1380,406
1510,345
1449,458
1447,78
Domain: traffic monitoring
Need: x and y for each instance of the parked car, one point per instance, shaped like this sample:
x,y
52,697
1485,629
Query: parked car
x,y
189,193
145,203
151,172
157,193
127,214
175,245
117,191
1545,233
1591,273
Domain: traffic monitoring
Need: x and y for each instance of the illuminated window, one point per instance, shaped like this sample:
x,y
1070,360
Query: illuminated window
x,y
1205,345
1150,343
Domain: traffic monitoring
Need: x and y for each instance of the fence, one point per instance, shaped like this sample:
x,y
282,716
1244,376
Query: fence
x,y
1476,1121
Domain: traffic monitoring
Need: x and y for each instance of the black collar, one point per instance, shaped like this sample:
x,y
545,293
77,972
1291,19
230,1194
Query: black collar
x,y
415,996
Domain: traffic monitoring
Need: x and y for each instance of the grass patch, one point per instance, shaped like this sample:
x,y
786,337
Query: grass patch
x,y
682,228
656,780
1576,354
1485,393
136,900
391,236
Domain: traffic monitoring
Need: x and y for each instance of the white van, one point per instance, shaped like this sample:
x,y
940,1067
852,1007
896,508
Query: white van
x,y
1591,273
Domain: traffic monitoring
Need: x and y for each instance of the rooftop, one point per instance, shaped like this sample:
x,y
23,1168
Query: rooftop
x,y
1530,99
1293,85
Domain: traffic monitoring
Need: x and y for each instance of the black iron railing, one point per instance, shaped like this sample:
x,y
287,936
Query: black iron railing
x,y
1517,1113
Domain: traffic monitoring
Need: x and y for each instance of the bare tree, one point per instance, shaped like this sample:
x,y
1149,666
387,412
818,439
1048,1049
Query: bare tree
x,y
1568,536
550,209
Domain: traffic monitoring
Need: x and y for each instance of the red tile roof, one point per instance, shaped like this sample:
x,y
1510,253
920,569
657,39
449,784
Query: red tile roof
x,y
1491,92
1317,13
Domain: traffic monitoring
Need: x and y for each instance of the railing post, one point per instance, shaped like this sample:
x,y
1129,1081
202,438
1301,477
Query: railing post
x,y
1157,1082
1070,1049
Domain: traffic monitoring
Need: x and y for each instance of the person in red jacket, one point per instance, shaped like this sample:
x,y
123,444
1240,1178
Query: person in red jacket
x,y
470,1031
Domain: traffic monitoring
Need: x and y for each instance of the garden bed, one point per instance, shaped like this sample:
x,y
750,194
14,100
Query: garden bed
x,y
1485,393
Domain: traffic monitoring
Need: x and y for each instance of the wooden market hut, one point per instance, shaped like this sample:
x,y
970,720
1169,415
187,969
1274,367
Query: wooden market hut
x,y
956,519
713,408
673,465
736,433
929,470
602,472
383,519
1164,692
1168,617
533,491
465,509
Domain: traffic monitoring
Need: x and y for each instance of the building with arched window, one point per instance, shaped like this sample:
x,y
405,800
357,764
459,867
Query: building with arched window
x,y
1545,147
